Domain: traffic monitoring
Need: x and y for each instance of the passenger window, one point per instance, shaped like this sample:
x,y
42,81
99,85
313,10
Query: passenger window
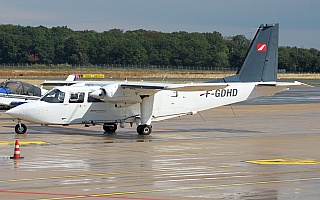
x,y
76,97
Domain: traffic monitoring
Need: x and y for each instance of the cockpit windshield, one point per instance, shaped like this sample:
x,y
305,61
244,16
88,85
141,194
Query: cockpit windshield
x,y
53,96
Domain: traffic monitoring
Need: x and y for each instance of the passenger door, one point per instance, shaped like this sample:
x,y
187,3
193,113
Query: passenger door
x,y
75,107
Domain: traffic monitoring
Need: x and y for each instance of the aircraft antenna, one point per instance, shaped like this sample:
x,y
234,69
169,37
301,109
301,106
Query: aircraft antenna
x,y
202,118
232,110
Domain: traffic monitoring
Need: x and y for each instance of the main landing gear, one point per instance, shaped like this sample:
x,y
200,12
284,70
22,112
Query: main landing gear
x,y
144,129
146,108
141,129
110,127
143,121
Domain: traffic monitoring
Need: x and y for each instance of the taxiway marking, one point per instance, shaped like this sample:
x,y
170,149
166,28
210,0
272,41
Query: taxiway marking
x,y
24,143
74,196
123,173
184,188
284,161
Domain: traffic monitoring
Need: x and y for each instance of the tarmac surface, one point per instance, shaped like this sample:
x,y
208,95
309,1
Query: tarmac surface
x,y
266,148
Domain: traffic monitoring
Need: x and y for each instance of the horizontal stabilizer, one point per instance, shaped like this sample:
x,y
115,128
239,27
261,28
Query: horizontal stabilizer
x,y
284,84
271,88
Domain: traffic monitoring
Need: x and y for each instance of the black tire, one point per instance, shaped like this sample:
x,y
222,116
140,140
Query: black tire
x,y
20,130
144,129
110,128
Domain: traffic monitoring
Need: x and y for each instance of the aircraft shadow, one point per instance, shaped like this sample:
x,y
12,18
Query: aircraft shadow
x,y
132,136
61,130
206,130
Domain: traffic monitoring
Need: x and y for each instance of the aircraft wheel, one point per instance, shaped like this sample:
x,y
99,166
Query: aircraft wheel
x,y
20,130
110,128
144,129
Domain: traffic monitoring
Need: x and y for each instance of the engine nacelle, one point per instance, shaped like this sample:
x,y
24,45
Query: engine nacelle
x,y
106,92
119,96
110,90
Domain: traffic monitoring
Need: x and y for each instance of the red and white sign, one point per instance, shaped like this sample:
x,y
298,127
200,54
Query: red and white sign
x,y
261,47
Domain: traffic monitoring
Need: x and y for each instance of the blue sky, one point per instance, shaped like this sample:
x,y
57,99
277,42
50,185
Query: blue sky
x,y
299,19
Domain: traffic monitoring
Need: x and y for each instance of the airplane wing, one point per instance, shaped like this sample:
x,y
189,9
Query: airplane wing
x,y
58,83
175,87
197,87
71,79
14,99
113,91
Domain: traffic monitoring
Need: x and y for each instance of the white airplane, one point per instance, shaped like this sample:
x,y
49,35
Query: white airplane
x,y
14,93
117,103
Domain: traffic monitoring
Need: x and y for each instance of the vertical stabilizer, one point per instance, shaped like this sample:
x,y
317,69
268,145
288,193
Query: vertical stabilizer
x,y
261,62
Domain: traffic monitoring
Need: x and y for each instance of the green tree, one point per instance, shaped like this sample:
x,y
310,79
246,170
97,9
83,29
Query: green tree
x,y
60,44
237,48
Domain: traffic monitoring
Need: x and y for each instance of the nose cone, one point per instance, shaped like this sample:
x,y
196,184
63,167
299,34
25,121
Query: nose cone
x,y
17,112
31,112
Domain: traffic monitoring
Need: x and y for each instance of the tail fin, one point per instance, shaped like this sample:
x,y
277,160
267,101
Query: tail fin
x,y
261,62
71,77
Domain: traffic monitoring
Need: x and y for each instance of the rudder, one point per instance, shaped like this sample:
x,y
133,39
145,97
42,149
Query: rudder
x,y
261,63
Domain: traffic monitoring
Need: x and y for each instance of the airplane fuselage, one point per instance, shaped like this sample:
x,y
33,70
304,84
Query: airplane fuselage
x,y
166,104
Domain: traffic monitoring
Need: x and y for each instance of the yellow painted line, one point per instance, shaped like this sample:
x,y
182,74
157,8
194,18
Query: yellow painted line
x,y
284,161
66,177
224,166
24,142
178,153
187,188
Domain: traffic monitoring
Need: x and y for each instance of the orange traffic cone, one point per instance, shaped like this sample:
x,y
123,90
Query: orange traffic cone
x,y
16,154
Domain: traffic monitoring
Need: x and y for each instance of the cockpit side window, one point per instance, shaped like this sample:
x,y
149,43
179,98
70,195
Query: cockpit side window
x,y
53,96
77,97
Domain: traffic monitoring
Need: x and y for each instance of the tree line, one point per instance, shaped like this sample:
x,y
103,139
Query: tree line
x,y
61,45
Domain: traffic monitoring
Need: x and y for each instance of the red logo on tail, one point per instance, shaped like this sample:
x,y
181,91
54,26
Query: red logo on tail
x,y
261,47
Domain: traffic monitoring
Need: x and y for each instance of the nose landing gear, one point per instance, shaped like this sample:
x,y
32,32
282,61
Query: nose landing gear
x,y
20,128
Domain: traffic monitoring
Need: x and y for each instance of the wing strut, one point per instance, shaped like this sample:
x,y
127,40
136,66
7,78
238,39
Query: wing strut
x,y
146,108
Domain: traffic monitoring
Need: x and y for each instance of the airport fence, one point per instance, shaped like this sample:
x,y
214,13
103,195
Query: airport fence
x,y
108,67
120,67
